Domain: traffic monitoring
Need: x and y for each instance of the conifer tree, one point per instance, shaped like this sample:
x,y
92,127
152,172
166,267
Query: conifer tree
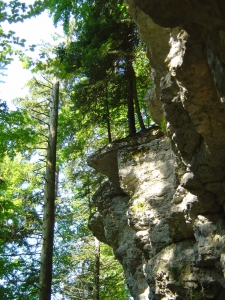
x,y
49,199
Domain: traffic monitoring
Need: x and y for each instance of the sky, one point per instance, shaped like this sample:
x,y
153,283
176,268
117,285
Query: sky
x,y
34,31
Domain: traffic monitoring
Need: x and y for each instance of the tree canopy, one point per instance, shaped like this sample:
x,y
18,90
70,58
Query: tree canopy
x,y
12,12
103,75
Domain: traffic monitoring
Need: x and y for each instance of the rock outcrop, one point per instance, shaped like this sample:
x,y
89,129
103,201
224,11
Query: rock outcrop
x,y
163,210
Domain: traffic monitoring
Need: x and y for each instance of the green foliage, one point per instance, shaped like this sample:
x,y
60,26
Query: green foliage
x,y
111,277
163,125
20,228
21,194
73,242
103,45
93,66
12,12
17,134
63,11
77,281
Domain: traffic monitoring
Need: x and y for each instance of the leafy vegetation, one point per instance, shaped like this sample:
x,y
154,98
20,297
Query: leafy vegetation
x,y
104,76
12,12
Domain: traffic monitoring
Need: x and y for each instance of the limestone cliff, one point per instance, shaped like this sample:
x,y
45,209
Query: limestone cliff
x,y
162,210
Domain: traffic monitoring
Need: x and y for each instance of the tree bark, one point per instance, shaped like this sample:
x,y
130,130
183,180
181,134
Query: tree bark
x,y
107,115
130,99
137,106
49,200
97,269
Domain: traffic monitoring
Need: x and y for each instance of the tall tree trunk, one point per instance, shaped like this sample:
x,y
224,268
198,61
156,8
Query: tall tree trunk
x,y
49,200
137,106
97,269
130,98
107,115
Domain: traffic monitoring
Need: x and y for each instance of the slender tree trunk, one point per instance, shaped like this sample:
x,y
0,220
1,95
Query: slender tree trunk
x,y
97,269
49,200
130,99
108,121
107,114
137,106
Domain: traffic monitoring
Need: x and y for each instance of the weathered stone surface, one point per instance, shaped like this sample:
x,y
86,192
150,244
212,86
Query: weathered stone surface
x,y
154,105
95,224
105,160
169,241
113,204
167,13
167,225
172,274
210,239
125,226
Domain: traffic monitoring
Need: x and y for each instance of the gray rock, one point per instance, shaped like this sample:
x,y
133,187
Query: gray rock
x,y
164,217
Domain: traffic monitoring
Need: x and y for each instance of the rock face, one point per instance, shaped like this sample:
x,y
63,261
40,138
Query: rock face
x,y
163,209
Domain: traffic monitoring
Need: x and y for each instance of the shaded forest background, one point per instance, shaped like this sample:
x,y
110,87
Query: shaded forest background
x,y
104,75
